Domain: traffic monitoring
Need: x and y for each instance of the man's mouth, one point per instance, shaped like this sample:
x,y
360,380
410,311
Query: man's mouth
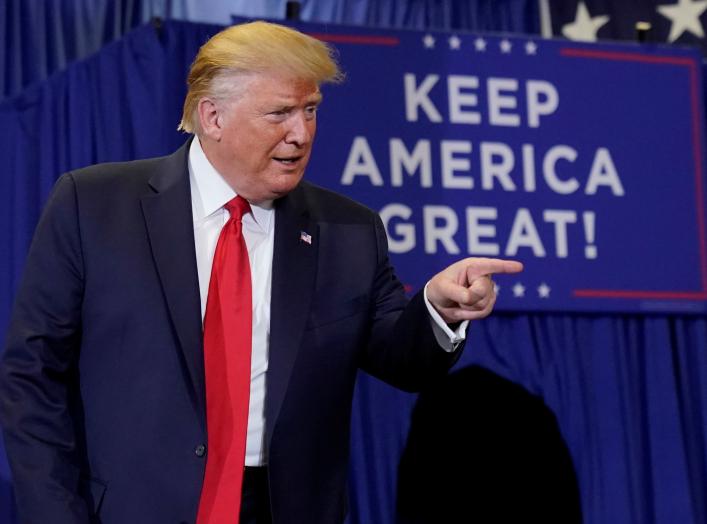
x,y
288,160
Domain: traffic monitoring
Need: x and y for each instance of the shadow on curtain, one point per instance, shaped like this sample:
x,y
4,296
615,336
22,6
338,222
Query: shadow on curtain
x,y
487,441
629,394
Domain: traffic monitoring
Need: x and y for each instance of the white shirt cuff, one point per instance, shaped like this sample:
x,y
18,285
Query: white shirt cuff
x,y
447,339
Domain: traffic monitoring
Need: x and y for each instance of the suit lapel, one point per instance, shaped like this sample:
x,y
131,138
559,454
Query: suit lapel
x,y
293,274
170,228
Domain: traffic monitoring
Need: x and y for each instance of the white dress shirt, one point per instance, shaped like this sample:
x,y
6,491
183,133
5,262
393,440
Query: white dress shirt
x,y
209,194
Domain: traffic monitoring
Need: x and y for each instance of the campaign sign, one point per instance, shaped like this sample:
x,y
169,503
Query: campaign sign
x,y
583,161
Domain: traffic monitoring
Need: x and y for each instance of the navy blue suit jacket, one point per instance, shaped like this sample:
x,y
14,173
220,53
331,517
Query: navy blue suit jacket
x,y
102,380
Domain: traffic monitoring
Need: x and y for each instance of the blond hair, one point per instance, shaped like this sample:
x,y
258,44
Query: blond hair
x,y
255,47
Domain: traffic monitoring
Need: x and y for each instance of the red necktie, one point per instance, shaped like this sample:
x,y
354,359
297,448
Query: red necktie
x,y
227,348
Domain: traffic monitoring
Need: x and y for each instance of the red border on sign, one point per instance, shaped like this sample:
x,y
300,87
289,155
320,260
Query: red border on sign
x,y
356,39
691,66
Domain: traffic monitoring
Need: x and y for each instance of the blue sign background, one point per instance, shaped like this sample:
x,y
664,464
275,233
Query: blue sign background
x,y
640,106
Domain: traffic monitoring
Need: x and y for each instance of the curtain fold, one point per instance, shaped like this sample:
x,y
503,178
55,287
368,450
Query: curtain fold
x,y
42,37
628,393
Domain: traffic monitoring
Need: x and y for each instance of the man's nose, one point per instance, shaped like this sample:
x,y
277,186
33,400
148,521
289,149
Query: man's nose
x,y
301,130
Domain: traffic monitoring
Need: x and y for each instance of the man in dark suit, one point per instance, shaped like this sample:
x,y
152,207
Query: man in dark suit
x,y
117,399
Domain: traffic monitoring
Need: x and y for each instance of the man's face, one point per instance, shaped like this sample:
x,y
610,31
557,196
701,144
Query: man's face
x,y
262,140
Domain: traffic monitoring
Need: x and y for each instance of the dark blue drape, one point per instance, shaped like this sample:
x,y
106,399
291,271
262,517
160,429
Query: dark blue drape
x,y
629,392
44,36
518,16
124,103
41,37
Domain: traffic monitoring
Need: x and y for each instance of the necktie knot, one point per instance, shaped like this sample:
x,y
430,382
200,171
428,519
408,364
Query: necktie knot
x,y
237,207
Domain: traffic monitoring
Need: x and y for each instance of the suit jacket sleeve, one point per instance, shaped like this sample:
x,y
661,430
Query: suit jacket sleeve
x,y
403,350
38,375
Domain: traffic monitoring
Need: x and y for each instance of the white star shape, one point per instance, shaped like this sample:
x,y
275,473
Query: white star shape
x,y
505,46
518,290
544,290
531,48
584,27
684,16
496,288
429,41
480,44
454,42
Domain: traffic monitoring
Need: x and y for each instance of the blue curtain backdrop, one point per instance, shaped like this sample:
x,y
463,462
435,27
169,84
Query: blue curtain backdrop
x,y
629,392
41,37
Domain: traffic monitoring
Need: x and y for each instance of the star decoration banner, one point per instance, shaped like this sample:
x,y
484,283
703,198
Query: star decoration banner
x,y
583,161
672,21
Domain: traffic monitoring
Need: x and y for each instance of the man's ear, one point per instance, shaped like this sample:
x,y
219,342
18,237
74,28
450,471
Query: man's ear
x,y
210,118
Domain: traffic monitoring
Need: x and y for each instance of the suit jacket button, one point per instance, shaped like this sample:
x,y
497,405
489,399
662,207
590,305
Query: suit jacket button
x,y
200,450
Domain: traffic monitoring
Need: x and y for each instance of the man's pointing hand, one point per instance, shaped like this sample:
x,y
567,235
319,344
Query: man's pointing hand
x,y
465,291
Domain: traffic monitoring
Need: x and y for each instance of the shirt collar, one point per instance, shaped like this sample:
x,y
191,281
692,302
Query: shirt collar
x,y
210,192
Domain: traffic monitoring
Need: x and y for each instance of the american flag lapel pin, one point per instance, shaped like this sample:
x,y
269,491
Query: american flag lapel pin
x,y
305,237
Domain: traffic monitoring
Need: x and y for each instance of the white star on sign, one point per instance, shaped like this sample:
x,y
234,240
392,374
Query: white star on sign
x,y
584,27
544,290
429,41
454,42
518,290
496,288
480,44
505,46
531,48
684,16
